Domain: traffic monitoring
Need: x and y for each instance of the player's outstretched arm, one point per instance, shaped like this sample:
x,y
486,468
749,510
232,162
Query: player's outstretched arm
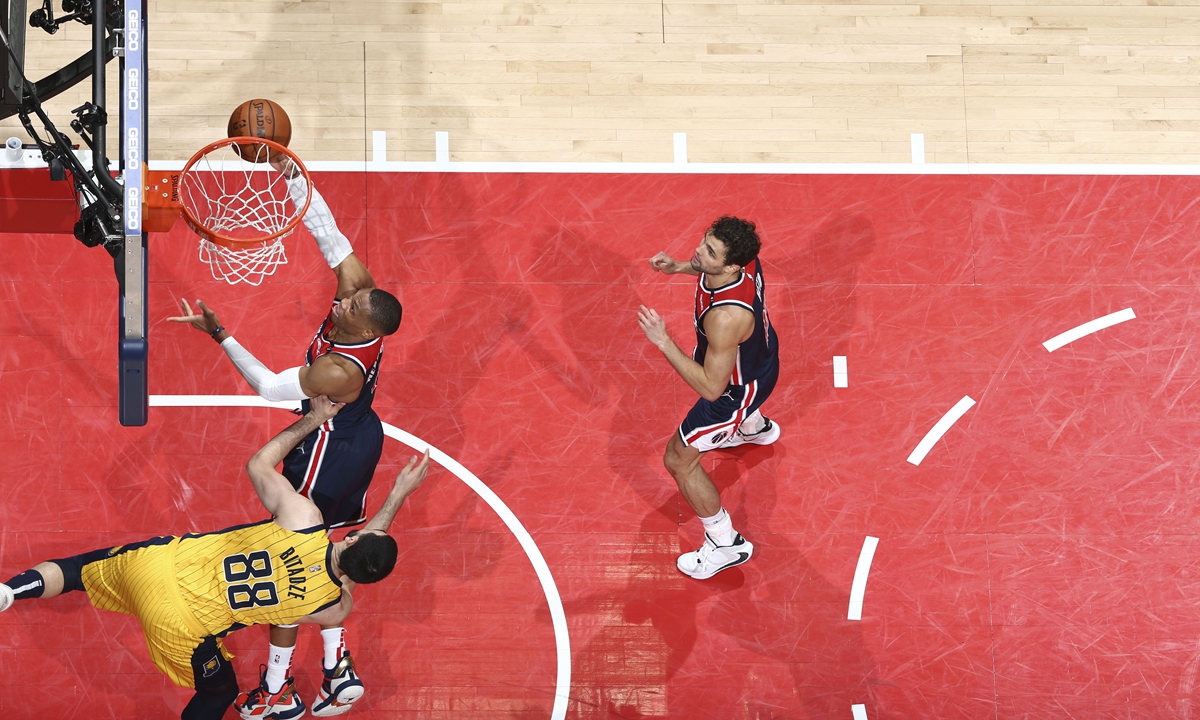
x,y
291,510
286,385
351,273
409,479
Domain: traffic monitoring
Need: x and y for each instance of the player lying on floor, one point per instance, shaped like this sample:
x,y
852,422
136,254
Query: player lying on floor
x,y
190,591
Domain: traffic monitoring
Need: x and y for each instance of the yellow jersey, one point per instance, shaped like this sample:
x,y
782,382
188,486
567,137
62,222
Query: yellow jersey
x,y
255,574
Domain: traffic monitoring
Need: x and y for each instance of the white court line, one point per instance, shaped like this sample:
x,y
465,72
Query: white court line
x,y
558,616
841,378
719,168
860,712
917,140
940,429
859,587
1088,328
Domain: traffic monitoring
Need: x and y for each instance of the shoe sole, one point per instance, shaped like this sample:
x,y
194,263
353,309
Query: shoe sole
x,y
274,716
345,700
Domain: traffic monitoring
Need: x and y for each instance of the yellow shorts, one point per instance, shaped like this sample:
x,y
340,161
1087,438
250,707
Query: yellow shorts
x,y
139,580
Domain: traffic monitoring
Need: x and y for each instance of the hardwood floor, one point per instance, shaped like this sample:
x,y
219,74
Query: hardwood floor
x,y
1034,82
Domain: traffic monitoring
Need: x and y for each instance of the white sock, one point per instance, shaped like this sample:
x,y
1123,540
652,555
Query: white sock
x,y
278,664
752,424
335,642
719,527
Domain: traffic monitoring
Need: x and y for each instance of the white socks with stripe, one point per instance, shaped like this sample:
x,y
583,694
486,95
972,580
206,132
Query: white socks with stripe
x,y
720,528
278,664
335,640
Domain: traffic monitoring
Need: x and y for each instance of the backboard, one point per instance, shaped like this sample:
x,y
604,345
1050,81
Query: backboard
x,y
132,265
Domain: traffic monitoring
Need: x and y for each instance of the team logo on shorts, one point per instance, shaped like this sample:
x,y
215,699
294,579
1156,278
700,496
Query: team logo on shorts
x,y
719,438
212,666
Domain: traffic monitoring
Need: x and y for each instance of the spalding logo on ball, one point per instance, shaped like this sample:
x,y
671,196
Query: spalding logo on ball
x,y
259,118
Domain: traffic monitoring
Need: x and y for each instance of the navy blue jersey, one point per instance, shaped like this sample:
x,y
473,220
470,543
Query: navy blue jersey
x,y
366,356
758,356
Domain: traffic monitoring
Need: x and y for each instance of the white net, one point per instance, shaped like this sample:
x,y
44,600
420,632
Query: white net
x,y
238,193
248,265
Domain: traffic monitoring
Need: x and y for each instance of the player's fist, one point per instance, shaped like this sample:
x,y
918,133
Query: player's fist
x,y
322,408
663,263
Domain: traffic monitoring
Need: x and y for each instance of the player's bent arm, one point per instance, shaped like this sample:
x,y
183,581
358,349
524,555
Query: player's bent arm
x,y
335,247
666,265
333,376
724,328
352,276
285,385
291,510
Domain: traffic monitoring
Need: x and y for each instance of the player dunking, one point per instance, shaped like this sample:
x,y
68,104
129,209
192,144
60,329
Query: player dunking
x,y
189,592
734,368
333,465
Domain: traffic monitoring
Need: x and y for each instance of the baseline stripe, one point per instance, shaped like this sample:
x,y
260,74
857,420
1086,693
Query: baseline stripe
x,y
859,587
1088,328
1081,169
940,429
558,616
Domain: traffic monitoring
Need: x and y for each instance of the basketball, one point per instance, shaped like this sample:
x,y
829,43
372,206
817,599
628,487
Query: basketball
x,y
259,118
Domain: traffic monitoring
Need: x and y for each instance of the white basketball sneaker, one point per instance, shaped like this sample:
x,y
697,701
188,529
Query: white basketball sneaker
x,y
6,597
712,558
767,435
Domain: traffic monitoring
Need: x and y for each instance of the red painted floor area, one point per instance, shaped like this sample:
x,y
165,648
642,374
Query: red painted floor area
x,y
1038,563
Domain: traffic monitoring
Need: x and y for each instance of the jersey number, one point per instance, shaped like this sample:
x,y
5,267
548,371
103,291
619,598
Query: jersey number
x,y
243,595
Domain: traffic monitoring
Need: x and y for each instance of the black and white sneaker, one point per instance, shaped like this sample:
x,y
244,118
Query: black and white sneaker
x,y
767,435
340,689
712,558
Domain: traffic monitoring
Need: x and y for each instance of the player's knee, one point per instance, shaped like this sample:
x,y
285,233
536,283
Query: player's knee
x,y
211,702
72,568
675,461
72,573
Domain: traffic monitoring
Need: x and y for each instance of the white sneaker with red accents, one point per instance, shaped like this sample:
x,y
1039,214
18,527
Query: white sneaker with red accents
x,y
339,690
712,558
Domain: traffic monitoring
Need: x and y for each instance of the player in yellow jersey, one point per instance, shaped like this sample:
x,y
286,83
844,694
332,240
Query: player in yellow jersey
x,y
190,591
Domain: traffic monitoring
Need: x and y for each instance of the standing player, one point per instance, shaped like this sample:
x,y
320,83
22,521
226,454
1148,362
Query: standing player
x,y
333,465
189,592
734,368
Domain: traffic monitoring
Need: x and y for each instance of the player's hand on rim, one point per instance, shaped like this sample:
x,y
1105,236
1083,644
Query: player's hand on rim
x,y
284,164
205,320
322,408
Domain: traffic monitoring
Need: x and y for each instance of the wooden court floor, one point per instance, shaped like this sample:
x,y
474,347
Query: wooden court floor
x,y
777,81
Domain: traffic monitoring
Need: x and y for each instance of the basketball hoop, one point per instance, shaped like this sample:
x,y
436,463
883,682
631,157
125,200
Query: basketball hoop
x,y
234,194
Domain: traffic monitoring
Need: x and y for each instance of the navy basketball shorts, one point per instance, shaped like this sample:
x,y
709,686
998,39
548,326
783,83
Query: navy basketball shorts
x,y
712,422
333,469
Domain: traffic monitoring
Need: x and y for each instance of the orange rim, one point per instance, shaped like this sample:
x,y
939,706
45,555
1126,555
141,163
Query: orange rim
x,y
233,243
